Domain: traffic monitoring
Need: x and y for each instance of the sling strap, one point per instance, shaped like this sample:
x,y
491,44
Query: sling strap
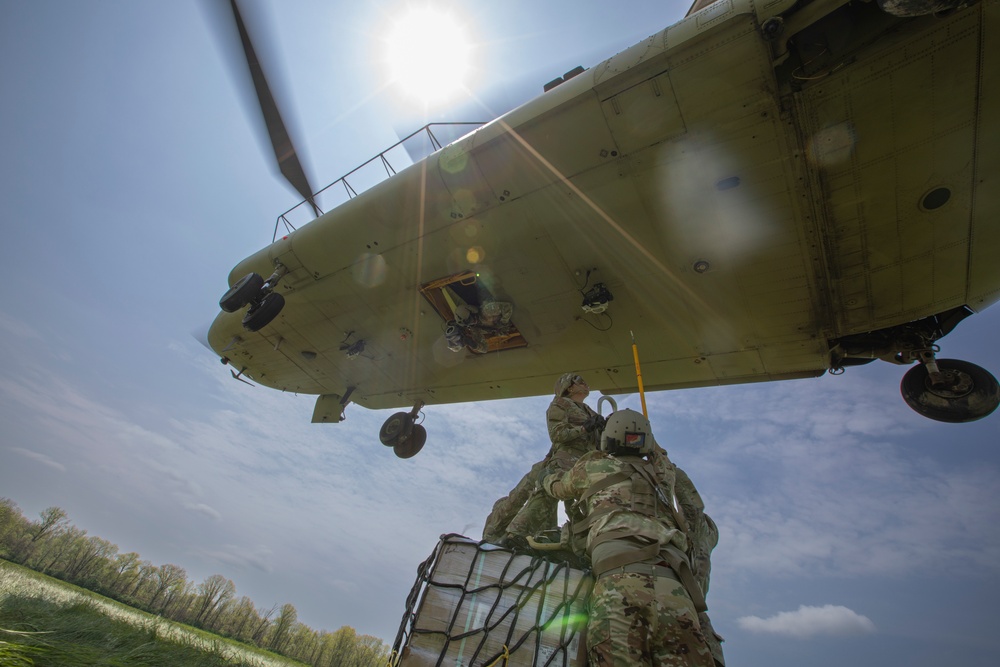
x,y
649,474
679,563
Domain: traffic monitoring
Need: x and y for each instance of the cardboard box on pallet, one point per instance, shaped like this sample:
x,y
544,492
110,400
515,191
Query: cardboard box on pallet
x,y
478,601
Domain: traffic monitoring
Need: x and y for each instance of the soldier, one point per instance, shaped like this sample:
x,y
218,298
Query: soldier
x,y
645,604
703,536
573,429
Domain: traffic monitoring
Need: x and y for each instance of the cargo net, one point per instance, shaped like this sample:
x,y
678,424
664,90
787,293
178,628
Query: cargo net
x,y
476,604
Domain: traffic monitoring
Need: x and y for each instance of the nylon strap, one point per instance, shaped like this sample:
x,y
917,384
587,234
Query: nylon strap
x,y
649,474
679,564
581,526
633,554
610,480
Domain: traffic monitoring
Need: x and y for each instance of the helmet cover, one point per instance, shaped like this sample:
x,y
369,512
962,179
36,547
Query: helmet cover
x,y
565,381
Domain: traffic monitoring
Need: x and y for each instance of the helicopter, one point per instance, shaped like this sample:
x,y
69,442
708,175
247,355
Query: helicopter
x,y
762,191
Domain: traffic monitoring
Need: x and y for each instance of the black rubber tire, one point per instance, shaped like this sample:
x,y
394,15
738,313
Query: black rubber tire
x,y
973,395
409,447
394,428
242,292
260,316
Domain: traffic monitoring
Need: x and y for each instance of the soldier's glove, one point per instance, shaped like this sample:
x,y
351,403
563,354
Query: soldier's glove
x,y
593,423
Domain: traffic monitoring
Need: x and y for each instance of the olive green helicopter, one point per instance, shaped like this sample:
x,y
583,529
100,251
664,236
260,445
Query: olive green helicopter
x,y
761,191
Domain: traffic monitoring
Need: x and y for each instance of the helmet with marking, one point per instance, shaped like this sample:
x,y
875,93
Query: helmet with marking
x,y
627,432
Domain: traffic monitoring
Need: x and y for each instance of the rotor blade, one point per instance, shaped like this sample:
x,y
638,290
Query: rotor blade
x,y
281,142
200,334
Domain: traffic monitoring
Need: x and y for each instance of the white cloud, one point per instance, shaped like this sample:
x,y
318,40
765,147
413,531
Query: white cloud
x,y
808,622
231,555
41,458
17,327
202,508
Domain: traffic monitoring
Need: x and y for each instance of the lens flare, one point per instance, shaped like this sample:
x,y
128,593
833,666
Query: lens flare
x,y
428,54
369,270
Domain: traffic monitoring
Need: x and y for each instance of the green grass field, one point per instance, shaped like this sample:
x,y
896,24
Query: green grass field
x,y
48,623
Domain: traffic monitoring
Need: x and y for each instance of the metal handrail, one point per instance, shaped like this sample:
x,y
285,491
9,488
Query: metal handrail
x,y
389,170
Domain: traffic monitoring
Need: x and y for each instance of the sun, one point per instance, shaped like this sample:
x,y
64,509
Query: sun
x,y
428,54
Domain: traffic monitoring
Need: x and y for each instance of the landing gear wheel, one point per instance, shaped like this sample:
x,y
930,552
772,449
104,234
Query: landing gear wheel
x,y
396,428
967,392
241,293
260,315
413,444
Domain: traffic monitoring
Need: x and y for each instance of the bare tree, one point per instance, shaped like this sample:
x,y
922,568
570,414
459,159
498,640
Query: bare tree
x,y
177,600
281,632
238,619
143,577
165,577
49,554
13,526
263,623
53,520
88,555
124,563
213,591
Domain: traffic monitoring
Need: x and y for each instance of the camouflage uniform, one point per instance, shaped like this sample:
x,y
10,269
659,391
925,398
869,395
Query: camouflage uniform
x,y
566,420
640,613
703,536
533,510
510,507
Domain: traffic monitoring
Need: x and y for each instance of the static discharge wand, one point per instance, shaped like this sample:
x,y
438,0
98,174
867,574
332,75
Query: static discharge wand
x,y
638,374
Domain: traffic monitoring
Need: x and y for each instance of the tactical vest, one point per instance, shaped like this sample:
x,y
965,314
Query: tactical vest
x,y
619,549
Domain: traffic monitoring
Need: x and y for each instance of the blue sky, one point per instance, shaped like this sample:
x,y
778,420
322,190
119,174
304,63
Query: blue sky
x,y
853,530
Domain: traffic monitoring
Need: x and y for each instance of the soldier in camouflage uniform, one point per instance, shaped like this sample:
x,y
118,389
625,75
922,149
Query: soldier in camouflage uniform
x,y
645,604
574,429
703,536
510,506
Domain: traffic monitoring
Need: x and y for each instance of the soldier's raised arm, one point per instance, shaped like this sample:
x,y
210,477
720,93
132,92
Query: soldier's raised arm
x,y
688,498
571,484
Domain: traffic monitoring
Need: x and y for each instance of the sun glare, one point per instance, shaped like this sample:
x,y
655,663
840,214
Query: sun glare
x,y
428,54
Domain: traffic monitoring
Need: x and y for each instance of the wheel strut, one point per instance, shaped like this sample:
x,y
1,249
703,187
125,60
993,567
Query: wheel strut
x,y
954,383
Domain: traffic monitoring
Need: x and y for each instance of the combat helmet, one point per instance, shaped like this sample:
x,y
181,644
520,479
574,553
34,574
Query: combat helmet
x,y
564,382
627,432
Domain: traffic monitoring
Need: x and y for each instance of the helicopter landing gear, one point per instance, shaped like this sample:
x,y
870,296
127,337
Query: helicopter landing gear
x,y
262,312
413,444
401,433
252,289
242,292
946,390
950,390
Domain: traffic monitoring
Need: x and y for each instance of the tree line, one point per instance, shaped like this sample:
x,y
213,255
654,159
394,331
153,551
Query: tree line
x,y
53,546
